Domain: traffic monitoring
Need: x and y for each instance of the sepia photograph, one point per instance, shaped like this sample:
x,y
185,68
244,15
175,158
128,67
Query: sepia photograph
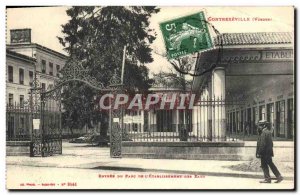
x,y
150,98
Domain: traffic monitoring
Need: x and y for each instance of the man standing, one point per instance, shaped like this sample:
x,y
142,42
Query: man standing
x,y
264,151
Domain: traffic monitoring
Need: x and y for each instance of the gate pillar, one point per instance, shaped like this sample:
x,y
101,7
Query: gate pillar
x,y
115,123
115,136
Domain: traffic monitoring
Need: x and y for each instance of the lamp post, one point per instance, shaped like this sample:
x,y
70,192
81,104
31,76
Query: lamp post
x,y
116,130
123,65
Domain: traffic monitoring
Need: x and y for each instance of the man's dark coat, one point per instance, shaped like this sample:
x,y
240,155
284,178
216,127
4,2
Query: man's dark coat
x,y
265,143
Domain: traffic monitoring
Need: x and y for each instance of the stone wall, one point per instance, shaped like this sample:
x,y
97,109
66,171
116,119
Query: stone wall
x,y
18,148
184,150
283,151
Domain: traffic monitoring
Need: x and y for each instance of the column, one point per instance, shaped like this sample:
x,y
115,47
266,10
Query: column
x,y
184,118
209,110
275,119
131,124
252,127
143,122
246,117
236,121
138,124
286,110
218,88
201,119
198,122
149,120
194,120
205,114
177,120
154,121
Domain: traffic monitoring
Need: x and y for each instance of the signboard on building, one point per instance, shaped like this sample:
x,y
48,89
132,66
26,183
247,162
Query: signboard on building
x,y
127,119
36,123
137,119
116,120
20,35
186,35
287,54
132,119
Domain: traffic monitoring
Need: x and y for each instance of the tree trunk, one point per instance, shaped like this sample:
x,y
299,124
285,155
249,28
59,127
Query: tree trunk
x,y
104,124
71,130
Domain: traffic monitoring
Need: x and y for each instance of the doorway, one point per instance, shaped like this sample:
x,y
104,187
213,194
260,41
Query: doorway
x,y
290,118
280,118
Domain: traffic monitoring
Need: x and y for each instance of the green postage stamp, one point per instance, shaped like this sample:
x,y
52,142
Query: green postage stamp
x,y
186,35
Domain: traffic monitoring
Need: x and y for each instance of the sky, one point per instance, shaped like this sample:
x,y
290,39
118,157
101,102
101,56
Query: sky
x,y
46,22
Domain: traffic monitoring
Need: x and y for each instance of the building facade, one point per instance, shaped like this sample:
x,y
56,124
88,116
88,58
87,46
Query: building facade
x,y
254,79
161,123
26,61
19,77
48,62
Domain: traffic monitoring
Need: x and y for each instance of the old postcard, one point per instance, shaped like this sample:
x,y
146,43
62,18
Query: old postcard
x,y
140,97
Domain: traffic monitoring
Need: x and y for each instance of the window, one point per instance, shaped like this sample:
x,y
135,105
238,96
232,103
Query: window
x,y
11,126
290,118
50,68
50,86
57,70
43,86
255,119
10,74
242,120
270,114
238,120
21,76
30,78
43,66
22,125
280,118
262,113
21,100
11,99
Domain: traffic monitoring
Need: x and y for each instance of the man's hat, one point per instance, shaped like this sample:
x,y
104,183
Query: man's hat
x,y
263,122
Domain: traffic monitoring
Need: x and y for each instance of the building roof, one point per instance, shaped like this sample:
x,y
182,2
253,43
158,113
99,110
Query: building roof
x,y
255,38
38,46
19,56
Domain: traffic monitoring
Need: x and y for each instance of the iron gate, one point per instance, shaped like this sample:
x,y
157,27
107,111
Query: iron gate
x,y
201,123
46,138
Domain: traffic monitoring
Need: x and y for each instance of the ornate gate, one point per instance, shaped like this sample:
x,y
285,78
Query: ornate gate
x,y
51,122
46,135
46,139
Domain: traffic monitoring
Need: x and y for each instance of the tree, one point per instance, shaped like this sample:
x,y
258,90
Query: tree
x,y
96,36
172,80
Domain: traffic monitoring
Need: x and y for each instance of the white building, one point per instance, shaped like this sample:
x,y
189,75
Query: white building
x,y
254,76
48,61
19,77
25,61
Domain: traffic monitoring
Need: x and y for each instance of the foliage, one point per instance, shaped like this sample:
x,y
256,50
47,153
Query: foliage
x,y
96,36
171,80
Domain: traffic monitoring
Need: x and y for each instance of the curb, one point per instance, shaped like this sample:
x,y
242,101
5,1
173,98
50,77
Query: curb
x,y
135,169
239,175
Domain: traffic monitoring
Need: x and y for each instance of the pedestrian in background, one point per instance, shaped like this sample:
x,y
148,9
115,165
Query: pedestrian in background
x,y
247,128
